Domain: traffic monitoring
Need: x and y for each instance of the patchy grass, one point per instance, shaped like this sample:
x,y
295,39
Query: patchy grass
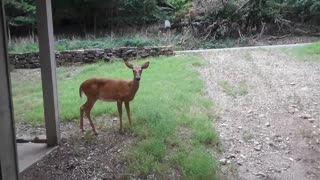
x,y
185,42
24,45
309,52
196,164
240,90
168,102
247,136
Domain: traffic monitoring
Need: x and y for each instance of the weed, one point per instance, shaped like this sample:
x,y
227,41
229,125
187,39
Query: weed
x,y
197,164
247,136
240,90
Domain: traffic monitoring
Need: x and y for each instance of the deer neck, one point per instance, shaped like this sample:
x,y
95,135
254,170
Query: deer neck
x,y
134,87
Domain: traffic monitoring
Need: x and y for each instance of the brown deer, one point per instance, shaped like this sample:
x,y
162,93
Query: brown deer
x,y
111,90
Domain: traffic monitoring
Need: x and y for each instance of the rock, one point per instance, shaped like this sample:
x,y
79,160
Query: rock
x,y
151,176
260,174
240,127
256,142
292,109
223,161
231,156
239,162
258,147
267,124
311,120
305,116
31,60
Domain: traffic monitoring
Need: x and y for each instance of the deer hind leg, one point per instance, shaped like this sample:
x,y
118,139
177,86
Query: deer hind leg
x,y
128,112
86,108
81,117
119,105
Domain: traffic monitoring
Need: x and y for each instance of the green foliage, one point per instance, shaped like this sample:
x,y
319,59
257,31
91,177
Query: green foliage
x,y
197,164
24,45
21,13
180,5
231,90
146,156
203,133
309,52
304,7
312,49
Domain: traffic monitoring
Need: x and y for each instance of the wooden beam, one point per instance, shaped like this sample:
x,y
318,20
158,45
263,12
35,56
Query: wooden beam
x,y
48,71
8,150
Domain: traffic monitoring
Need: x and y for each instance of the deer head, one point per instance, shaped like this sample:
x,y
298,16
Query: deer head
x,y
137,70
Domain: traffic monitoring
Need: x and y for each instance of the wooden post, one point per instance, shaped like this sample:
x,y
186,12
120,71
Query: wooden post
x,y
8,150
48,71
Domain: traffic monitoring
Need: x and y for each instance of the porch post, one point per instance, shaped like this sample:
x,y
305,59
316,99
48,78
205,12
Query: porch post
x,y
8,150
48,71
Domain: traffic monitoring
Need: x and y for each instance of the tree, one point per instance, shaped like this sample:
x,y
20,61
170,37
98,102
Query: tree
x,y
21,13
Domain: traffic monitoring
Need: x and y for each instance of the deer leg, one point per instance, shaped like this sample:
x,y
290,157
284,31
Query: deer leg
x,y
128,112
88,111
119,104
81,118
82,109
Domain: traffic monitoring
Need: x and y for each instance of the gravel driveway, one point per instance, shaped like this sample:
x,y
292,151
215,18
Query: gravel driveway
x,y
268,108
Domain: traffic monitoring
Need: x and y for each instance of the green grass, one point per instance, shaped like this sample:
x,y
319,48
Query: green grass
x,y
231,90
196,164
186,42
24,45
310,52
173,121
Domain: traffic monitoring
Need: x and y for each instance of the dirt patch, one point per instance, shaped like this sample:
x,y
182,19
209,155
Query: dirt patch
x,y
273,130
83,155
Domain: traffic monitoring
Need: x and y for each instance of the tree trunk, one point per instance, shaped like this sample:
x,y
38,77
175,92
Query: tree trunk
x,y
32,34
95,25
9,36
111,28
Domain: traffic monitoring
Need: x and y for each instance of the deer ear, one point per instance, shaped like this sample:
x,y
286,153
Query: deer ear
x,y
145,65
128,65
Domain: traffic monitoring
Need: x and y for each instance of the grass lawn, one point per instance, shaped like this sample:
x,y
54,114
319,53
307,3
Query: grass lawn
x,y
173,119
309,52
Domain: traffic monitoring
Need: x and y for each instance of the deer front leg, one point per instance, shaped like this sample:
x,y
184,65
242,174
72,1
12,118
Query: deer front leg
x,y
119,104
128,112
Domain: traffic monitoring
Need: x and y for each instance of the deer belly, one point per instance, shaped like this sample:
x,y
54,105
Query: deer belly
x,y
108,98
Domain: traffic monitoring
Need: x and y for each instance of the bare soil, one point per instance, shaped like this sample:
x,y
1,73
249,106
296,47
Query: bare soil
x,y
272,129
82,156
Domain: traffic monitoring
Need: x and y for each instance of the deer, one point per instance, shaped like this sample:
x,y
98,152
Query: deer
x,y
110,90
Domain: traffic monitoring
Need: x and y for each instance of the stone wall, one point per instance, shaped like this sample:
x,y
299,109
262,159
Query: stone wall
x,y
31,60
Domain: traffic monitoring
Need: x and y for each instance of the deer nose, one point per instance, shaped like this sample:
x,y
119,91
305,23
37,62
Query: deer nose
x,y
138,78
